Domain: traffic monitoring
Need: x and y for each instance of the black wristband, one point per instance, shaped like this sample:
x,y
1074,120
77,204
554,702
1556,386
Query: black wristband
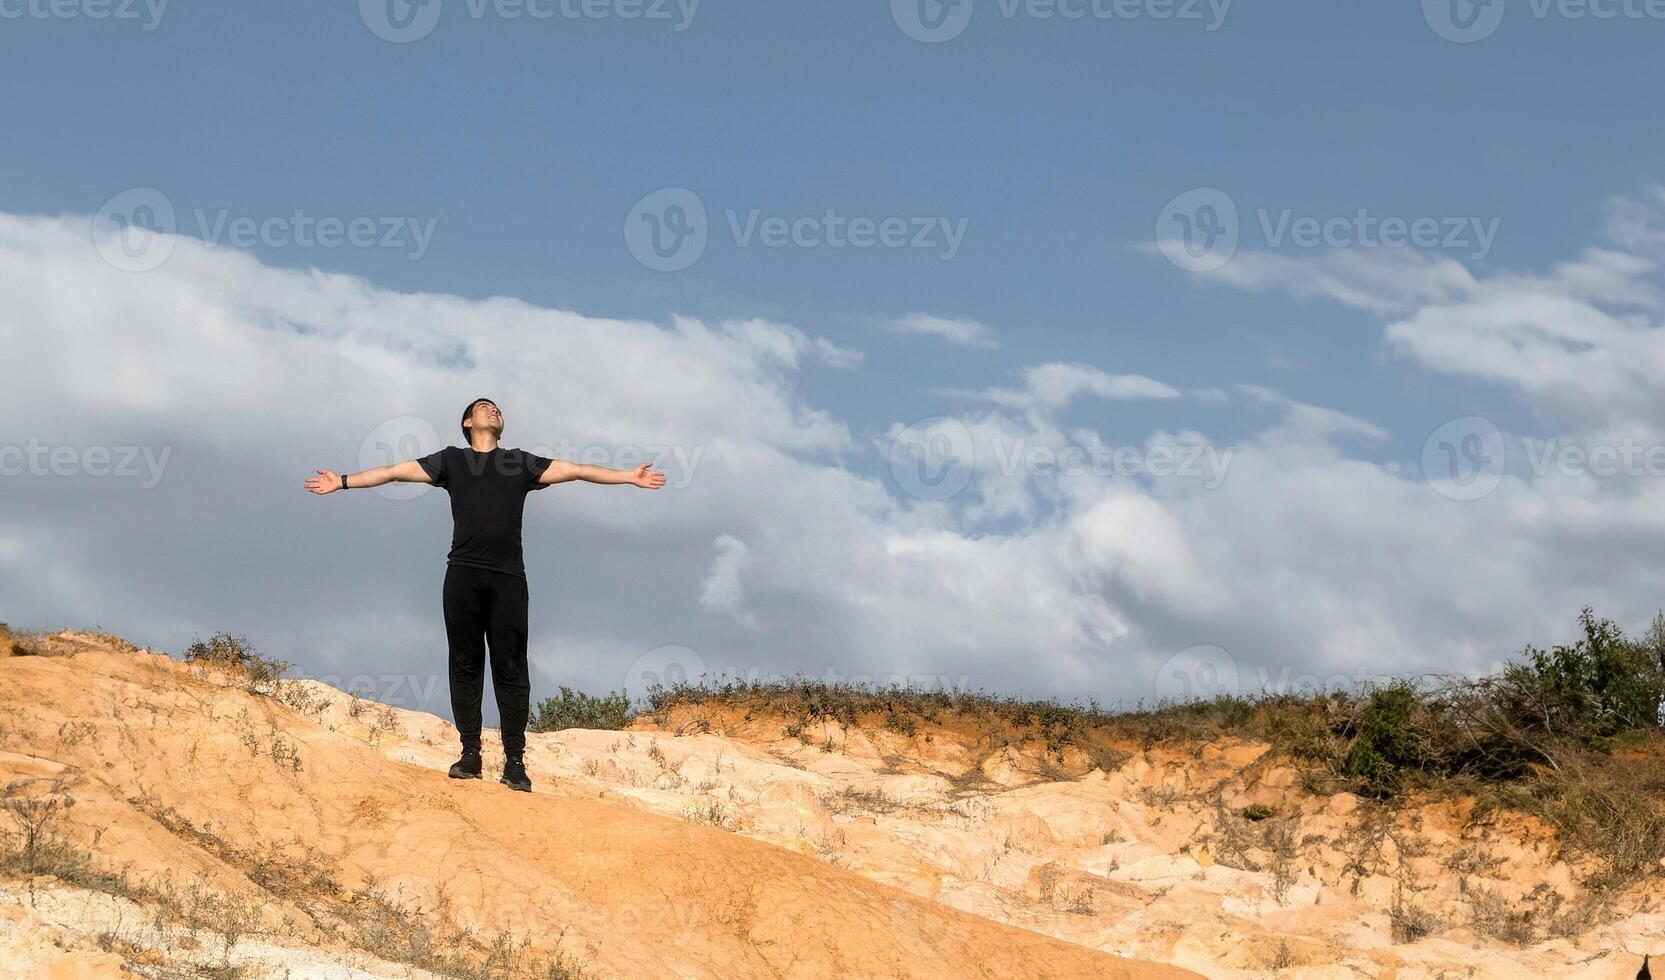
x,y
343,481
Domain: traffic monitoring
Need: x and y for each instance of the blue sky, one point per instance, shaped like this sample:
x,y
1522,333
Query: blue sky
x,y
1057,141
524,144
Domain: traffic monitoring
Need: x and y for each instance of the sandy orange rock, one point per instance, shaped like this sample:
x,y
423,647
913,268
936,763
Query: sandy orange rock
x,y
182,779
735,850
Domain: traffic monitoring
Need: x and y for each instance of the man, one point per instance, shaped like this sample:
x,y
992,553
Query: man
x,y
485,578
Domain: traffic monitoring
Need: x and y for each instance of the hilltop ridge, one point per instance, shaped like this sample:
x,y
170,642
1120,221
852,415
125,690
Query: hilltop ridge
x,y
739,836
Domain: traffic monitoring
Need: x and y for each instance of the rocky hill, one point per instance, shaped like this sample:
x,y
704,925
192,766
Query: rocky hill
x,y
174,819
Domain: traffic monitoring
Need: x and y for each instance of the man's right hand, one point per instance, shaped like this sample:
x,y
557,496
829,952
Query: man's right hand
x,y
327,481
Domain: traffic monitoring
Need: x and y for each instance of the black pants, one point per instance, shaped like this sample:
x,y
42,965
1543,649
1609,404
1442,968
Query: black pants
x,y
484,607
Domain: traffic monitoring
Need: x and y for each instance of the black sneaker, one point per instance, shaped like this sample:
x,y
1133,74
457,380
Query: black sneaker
x,y
514,776
467,767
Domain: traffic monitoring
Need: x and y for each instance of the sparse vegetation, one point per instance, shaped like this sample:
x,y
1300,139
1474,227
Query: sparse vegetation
x,y
712,813
384,721
851,799
20,644
1410,923
39,838
1493,917
575,709
1572,734
34,812
229,915
285,754
808,701
36,845
900,721
240,661
1278,840
370,918
1281,958
72,733
301,696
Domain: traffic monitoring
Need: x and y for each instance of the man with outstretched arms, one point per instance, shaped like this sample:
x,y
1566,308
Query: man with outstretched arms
x,y
485,595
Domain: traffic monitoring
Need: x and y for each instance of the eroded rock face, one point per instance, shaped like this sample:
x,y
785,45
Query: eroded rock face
x,y
319,836
732,850
1215,858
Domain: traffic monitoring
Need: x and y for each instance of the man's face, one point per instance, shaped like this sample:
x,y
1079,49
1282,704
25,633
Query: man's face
x,y
486,417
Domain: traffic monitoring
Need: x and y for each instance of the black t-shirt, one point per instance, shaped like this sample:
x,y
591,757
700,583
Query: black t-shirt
x,y
488,496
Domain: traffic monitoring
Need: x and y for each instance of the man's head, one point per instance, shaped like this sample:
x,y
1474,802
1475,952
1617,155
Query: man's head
x,y
482,414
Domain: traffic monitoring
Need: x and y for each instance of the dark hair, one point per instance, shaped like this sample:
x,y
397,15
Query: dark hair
x,y
470,411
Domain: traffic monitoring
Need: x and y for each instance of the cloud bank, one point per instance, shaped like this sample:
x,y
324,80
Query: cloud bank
x,y
787,541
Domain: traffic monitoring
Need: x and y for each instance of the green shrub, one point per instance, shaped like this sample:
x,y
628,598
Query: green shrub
x,y
1593,690
236,655
1387,746
1537,736
1541,710
1300,728
575,709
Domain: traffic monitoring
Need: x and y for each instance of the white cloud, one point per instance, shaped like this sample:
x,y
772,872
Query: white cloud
x,y
1582,343
721,590
956,332
1049,387
1307,556
1311,424
1638,223
1381,281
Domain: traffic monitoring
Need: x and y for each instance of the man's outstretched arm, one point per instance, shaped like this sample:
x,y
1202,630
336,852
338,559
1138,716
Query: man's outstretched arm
x,y
561,471
329,481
